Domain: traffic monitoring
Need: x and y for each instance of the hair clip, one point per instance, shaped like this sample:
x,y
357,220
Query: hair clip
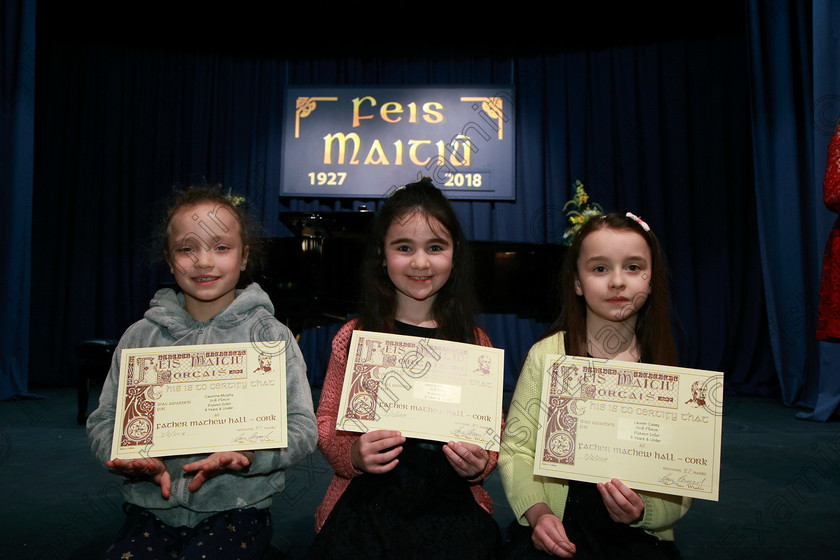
x,y
638,220
234,200
578,211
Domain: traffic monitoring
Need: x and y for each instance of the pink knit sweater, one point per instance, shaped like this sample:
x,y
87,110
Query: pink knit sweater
x,y
335,445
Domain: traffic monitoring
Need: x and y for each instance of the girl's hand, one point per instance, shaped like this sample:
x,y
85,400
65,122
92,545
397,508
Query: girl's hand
x,y
376,452
468,459
216,463
623,504
549,534
148,466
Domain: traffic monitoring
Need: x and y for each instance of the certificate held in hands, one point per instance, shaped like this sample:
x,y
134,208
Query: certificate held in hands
x,y
181,400
424,387
655,428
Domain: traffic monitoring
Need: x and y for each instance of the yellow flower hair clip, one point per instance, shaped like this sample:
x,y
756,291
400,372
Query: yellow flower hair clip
x,y
578,211
233,199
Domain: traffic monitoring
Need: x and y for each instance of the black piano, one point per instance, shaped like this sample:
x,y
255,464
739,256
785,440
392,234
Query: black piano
x,y
312,277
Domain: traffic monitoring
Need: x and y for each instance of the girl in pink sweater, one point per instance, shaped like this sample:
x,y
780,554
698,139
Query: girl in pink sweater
x,y
393,496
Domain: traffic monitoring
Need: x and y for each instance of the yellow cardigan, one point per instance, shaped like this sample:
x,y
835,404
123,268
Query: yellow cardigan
x,y
516,460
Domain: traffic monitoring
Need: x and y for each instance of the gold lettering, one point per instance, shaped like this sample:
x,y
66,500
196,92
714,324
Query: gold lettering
x,y
456,144
357,104
412,151
390,108
441,159
342,142
433,116
376,156
398,158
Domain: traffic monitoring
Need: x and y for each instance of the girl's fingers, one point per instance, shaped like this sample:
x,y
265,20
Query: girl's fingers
x,y
550,536
380,456
467,458
165,482
623,503
380,469
386,443
387,456
379,440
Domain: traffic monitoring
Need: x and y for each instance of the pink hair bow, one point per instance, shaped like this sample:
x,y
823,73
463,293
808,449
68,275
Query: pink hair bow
x,y
638,220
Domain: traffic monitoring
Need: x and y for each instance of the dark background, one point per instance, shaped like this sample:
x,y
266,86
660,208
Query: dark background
x,y
710,121
706,122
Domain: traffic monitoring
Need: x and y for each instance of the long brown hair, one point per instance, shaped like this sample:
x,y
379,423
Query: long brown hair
x,y
653,323
454,307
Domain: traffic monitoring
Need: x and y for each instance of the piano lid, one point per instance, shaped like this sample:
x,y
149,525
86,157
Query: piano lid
x,y
328,224
313,277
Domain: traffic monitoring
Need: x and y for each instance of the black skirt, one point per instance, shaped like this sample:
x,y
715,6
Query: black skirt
x,y
594,534
420,509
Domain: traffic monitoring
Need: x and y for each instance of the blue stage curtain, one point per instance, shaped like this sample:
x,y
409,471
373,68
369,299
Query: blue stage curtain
x,y
659,127
17,123
795,60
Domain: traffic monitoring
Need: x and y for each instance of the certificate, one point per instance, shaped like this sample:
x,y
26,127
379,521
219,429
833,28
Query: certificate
x,y
181,400
655,428
424,387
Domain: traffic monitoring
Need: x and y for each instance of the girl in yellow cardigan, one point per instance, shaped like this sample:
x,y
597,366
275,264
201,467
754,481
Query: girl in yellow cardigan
x,y
615,306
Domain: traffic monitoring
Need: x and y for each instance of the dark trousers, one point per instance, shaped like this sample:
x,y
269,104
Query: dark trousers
x,y
232,534
595,535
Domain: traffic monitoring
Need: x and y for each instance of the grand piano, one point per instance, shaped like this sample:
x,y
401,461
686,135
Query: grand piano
x,y
312,277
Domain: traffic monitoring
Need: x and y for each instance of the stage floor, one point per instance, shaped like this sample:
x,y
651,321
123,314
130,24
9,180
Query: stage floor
x,y
778,491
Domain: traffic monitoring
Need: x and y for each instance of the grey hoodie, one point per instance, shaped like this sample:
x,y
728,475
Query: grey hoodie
x,y
166,323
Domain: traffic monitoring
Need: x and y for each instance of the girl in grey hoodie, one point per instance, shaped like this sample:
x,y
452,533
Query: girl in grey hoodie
x,y
206,505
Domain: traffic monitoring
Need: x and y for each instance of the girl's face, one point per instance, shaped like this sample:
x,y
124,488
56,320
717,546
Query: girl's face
x,y
613,274
418,256
206,264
